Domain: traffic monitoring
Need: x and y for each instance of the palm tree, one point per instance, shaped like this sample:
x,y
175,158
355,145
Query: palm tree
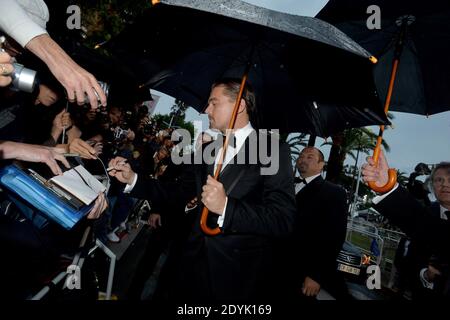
x,y
103,20
349,143
177,112
296,144
402,178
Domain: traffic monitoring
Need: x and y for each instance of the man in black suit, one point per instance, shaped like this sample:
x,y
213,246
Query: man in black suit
x,y
252,209
321,227
428,226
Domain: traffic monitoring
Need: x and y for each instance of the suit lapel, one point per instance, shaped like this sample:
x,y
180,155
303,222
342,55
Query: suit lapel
x,y
210,170
311,189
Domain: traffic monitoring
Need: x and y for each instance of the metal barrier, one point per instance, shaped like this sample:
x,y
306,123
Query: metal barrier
x,y
361,234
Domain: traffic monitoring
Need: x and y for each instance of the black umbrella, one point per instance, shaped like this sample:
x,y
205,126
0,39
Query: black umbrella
x,y
298,66
302,84
413,72
423,79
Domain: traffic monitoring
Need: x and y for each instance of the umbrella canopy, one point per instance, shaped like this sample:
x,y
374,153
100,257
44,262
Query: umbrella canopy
x,y
308,76
423,77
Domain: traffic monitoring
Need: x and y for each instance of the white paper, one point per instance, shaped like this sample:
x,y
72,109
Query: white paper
x,y
80,183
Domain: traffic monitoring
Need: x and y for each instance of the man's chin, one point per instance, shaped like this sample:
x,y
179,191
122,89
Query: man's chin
x,y
213,128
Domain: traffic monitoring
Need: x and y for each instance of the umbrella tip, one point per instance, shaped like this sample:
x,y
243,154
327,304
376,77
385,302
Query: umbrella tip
x,y
373,59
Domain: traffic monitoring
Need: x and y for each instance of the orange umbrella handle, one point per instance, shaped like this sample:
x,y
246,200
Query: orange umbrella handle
x,y
392,175
389,185
207,230
376,152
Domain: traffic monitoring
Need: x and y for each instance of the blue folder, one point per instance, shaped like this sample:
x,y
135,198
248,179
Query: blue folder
x,y
36,194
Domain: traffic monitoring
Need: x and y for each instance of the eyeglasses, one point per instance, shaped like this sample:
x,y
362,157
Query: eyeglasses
x,y
441,180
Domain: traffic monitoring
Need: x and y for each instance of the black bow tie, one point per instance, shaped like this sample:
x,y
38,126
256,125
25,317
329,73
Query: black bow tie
x,y
299,180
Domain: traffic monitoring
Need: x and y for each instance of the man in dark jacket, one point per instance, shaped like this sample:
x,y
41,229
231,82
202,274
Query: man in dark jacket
x,y
321,227
252,209
429,226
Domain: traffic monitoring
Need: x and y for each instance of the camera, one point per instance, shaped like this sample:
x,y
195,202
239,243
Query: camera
x,y
120,134
105,88
23,79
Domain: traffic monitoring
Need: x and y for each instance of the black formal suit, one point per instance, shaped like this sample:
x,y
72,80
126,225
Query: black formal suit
x,y
320,233
429,233
238,263
416,220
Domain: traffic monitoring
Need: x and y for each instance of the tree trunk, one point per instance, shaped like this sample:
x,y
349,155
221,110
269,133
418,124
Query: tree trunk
x,y
335,163
312,140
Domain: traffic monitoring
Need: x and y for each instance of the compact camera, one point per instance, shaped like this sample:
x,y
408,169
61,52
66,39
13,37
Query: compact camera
x,y
23,79
120,134
105,88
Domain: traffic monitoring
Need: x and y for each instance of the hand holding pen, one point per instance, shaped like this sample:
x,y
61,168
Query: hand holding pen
x,y
119,168
117,164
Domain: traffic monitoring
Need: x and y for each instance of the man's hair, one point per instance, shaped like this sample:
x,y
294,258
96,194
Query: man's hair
x,y
442,165
232,87
321,156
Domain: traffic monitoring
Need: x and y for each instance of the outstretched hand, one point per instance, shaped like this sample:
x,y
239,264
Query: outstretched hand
x,y
47,155
77,81
6,68
100,205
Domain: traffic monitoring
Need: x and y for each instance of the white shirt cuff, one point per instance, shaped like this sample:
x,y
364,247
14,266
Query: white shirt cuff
x,y
129,187
222,217
427,284
186,209
378,199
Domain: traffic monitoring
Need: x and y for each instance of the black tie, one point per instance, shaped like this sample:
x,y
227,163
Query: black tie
x,y
299,180
447,213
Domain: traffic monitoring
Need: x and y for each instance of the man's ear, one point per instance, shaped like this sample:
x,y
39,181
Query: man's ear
x,y
242,106
321,164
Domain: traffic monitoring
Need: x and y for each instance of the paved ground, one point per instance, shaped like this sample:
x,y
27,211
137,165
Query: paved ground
x,y
129,259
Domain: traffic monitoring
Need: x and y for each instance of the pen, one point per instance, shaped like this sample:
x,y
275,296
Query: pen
x,y
112,168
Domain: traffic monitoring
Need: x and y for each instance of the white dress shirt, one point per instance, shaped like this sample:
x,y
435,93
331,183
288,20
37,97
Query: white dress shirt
x,y
240,136
377,199
443,215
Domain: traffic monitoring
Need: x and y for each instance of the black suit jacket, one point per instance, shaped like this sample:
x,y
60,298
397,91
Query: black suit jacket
x,y
236,264
416,220
321,229
424,226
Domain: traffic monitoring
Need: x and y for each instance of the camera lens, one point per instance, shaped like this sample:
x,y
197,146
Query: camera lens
x,y
105,88
24,79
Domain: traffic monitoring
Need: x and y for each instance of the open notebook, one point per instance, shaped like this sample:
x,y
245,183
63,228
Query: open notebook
x,y
79,183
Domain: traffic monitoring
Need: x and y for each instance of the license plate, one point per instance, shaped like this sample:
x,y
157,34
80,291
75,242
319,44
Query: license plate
x,y
348,269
